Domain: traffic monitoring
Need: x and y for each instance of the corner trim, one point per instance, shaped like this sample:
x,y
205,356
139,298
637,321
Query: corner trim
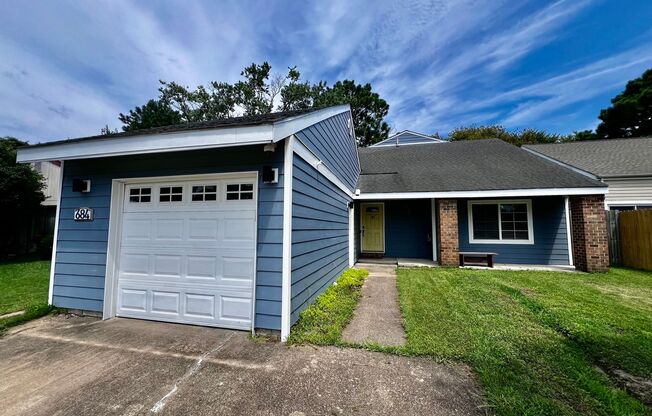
x,y
352,235
286,287
433,221
53,262
569,236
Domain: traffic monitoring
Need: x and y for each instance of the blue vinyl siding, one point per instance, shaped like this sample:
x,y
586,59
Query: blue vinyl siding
x,y
81,248
331,142
550,237
320,232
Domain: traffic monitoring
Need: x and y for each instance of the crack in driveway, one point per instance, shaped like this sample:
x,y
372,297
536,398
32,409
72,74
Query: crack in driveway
x,y
159,405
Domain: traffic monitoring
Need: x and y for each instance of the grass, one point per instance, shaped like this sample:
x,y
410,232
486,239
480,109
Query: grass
x,y
536,340
23,286
322,322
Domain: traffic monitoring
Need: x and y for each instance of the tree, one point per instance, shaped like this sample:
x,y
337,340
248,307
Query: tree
x,y
518,138
261,92
20,192
153,114
630,114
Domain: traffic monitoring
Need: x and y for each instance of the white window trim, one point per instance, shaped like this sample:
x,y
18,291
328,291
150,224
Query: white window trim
x,y
530,223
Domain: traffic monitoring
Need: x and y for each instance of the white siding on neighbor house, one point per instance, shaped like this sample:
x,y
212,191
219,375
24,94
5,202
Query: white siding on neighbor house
x,y
51,179
629,191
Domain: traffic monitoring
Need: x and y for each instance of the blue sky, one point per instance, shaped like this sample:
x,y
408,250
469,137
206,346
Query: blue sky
x,y
68,68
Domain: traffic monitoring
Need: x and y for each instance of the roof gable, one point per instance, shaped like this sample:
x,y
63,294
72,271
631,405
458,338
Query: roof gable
x,y
407,137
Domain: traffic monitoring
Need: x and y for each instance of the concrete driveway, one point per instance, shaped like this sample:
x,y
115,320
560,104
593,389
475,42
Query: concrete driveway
x,y
83,366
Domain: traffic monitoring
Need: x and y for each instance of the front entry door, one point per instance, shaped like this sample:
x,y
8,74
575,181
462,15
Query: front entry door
x,y
372,223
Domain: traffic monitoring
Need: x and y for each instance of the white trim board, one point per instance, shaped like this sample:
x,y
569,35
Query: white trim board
x,y
286,271
506,193
177,141
498,202
569,233
53,262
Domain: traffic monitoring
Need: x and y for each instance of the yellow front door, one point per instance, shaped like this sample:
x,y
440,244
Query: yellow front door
x,y
372,223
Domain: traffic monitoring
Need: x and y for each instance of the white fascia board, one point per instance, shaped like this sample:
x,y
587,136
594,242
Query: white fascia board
x,y
408,144
150,143
304,153
507,193
559,162
177,141
285,128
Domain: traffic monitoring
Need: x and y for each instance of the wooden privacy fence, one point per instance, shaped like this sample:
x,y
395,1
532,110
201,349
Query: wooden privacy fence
x,y
635,234
615,257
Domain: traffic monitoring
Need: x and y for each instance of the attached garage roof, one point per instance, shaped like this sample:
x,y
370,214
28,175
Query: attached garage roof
x,y
235,131
462,166
603,158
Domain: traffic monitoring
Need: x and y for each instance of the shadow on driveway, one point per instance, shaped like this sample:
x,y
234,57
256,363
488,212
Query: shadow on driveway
x,y
84,366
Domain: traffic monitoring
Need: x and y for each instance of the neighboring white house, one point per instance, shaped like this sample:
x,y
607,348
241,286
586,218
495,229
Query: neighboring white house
x,y
51,171
623,164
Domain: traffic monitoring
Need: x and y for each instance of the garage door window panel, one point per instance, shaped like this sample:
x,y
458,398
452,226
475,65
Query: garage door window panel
x,y
138,195
170,194
239,191
202,193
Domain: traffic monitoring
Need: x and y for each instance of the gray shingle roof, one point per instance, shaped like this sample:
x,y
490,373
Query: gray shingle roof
x,y
253,120
462,166
604,158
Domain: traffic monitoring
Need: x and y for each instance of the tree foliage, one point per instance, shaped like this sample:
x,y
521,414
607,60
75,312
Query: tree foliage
x,y
630,114
20,190
261,92
516,137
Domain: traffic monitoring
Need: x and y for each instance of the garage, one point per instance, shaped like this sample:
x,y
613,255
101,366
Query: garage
x,y
187,250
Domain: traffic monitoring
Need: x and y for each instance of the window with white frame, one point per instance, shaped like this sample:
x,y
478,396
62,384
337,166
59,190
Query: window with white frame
x,y
170,194
237,191
504,222
204,193
138,195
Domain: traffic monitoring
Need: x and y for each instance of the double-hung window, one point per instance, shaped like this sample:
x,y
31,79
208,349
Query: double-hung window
x,y
501,222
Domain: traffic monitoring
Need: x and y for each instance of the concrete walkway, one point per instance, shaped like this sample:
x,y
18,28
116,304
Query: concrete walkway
x,y
377,317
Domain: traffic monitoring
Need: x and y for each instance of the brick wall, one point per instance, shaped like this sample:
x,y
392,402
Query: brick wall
x,y
448,232
589,232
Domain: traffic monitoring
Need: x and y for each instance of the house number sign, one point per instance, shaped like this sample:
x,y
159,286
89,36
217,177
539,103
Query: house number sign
x,y
84,214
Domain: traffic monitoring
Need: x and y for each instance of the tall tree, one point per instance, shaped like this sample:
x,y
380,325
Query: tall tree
x,y
261,92
20,192
630,114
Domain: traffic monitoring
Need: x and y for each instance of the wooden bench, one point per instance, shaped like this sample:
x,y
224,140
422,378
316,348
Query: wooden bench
x,y
477,258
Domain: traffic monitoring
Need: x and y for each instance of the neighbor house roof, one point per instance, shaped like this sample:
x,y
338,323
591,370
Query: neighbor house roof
x,y
407,137
235,131
481,165
603,158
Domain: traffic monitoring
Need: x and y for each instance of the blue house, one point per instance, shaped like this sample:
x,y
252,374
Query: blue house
x,y
240,223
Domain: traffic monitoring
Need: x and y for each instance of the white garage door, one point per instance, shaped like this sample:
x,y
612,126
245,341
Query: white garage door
x,y
187,251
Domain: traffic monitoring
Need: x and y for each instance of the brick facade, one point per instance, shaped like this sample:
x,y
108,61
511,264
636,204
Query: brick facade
x,y
589,233
448,232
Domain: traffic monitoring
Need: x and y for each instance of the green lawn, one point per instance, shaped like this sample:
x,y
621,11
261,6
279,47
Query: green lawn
x,y
535,338
541,343
23,286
